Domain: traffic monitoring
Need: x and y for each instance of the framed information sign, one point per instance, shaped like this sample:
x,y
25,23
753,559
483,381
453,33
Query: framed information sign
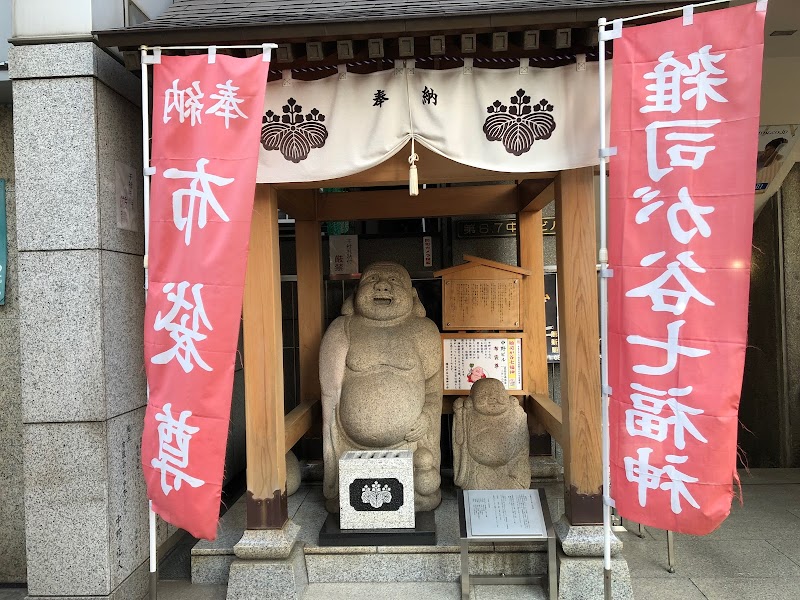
x,y
504,513
470,357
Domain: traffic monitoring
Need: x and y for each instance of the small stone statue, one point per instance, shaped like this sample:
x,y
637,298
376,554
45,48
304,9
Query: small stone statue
x,y
381,377
490,440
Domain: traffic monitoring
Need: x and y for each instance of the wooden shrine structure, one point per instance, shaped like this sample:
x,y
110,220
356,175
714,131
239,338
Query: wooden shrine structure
x,y
270,434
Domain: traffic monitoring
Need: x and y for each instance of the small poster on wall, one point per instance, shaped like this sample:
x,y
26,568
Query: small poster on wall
x,y
343,254
466,360
775,144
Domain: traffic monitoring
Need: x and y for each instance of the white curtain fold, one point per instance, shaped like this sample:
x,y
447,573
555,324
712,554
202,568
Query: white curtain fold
x,y
499,120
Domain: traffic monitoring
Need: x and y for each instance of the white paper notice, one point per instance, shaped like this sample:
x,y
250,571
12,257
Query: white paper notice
x,y
504,513
126,188
466,360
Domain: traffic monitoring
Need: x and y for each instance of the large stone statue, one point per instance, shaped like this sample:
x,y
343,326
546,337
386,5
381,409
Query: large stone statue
x,y
490,440
381,376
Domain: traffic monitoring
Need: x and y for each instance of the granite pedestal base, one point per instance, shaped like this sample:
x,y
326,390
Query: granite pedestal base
x,y
581,578
423,534
269,579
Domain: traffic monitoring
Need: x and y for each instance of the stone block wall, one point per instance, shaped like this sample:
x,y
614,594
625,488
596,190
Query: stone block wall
x,y
12,509
81,307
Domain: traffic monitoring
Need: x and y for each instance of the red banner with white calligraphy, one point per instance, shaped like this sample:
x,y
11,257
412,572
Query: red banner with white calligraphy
x,y
206,124
684,120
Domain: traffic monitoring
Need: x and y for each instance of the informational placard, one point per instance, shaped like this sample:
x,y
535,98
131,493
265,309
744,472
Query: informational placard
x,y
126,190
490,228
343,254
551,317
504,513
482,304
775,144
468,359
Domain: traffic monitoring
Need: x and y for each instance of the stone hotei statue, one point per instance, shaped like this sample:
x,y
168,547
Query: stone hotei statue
x,y
490,440
381,379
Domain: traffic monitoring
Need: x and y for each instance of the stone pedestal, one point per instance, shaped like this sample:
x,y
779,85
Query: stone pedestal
x,y
580,564
269,565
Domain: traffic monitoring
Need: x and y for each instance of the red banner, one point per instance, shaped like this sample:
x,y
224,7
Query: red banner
x,y
685,112
206,123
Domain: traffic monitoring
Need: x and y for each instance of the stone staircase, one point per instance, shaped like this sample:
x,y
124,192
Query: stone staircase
x,y
440,563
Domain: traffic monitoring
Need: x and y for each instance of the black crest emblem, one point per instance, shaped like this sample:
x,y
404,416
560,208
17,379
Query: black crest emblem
x,y
293,133
519,125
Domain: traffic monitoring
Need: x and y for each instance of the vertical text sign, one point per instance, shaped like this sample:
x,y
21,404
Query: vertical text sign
x,y
206,121
685,123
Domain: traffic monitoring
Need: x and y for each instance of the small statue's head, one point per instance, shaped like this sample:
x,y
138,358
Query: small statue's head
x,y
385,293
489,397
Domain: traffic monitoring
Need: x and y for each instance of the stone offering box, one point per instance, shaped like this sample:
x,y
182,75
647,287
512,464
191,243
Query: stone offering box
x,y
376,489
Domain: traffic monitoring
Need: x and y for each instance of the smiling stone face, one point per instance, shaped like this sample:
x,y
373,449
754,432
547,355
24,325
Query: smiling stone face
x,y
384,293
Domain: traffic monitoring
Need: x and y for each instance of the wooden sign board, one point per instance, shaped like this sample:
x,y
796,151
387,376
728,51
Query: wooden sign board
x,y
481,304
482,295
469,357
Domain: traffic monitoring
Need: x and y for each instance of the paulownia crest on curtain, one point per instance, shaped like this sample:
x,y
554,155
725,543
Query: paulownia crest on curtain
x,y
293,133
519,125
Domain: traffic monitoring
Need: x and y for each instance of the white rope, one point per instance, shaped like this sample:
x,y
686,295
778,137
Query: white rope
x,y
413,179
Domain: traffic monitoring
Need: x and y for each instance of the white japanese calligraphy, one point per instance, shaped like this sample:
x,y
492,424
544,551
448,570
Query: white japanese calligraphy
x,y
680,155
671,346
648,477
669,77
186,102
174,436
658,294
227,105
206,196
684,204
645,419
184,335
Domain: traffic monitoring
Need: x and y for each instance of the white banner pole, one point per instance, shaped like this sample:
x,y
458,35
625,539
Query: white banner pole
x,y
603,259
146,171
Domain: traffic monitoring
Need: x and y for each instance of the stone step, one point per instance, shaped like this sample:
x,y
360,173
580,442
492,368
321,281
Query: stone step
x,y
395,564
417,591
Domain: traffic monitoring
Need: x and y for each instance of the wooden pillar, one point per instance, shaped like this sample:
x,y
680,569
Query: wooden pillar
x,y
263,369
579,337
530,247
308,238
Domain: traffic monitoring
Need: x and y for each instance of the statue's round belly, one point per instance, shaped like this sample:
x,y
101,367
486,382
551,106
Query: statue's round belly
x,y
377,410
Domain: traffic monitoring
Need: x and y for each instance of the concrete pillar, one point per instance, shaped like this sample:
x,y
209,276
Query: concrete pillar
x,y
81,306
12,512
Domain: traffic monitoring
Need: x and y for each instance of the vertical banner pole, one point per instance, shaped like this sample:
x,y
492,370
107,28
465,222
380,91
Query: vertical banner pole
x,y
603,259
146,191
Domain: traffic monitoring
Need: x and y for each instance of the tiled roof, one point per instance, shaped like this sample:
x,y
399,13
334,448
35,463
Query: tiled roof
x,y
225,20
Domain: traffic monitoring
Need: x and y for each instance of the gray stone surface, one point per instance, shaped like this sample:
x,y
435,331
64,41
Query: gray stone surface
x,y
269,580
373,362
584,540
75,59
347,568
267,543
212,569
390,464
55,141
714,588
490,440
12,509
119,139
66,509
123,336
181,590
61,336
127,499
292,473
371,591
508,592
666,588
582,578
791,258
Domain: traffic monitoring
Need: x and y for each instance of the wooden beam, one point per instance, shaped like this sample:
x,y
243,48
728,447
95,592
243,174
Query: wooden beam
x,y
579,340
431,168
534,195
263,369
548,413
300,420
308,246
298,204
435,202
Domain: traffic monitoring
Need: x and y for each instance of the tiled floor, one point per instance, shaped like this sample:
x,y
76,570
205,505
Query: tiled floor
x,y
754,554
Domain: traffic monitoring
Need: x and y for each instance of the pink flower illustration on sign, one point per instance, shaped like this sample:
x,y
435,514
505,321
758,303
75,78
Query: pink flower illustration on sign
x,y
476,373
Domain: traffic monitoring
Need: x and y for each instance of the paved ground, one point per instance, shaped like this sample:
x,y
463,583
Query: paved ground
x,y
754,555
